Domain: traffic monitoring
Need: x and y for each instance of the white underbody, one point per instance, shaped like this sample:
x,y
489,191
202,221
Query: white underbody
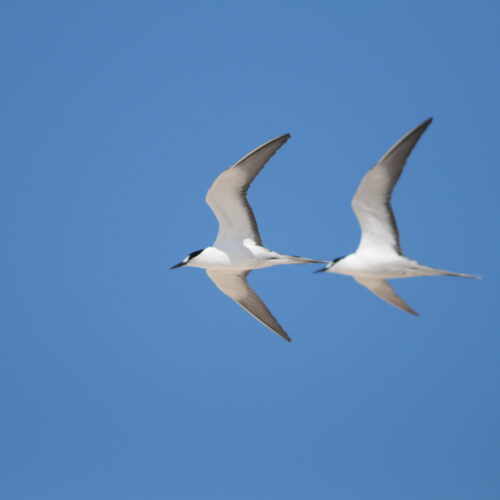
x,y
237,255
373,265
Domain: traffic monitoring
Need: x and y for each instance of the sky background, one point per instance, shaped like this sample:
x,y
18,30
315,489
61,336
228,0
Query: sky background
x,y
120,379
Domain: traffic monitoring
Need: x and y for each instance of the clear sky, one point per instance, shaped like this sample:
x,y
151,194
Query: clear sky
x,y
120,379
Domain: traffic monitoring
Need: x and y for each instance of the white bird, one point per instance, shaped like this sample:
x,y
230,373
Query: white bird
x,y
379,255
238,247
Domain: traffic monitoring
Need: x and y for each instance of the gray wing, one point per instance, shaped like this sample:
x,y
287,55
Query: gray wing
x,y
227,195
372,201
235,286
382,289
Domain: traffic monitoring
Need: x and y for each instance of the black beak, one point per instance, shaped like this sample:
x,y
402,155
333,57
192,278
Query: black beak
x,y
322,270
180,264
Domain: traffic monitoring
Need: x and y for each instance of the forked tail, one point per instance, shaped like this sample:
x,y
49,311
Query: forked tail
x,y
432,271
294,259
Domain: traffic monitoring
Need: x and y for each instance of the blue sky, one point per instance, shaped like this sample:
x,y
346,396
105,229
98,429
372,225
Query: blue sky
x,y
122,379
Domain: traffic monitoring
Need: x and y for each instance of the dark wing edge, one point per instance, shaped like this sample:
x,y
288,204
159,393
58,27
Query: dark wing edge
x,y
393,167
235,286
251,164
260,155
382,289
410,139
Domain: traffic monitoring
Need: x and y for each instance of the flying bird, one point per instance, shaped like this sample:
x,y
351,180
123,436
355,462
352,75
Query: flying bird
x,y
238,248
379,255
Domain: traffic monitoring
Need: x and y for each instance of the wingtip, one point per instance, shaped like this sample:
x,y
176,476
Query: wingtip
x,y
283,335
280,139
427,122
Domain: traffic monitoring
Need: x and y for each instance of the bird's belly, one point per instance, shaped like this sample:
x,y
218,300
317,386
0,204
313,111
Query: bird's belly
x,y
234,257
375,268
385,273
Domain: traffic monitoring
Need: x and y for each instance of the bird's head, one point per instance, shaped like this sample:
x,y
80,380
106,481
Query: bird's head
x,y
189,260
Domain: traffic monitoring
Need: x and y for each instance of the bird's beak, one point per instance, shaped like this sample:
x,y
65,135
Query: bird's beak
x,y
323,269
180,264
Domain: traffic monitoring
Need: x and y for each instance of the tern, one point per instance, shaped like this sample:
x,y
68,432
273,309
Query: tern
x,y
379,255
238,247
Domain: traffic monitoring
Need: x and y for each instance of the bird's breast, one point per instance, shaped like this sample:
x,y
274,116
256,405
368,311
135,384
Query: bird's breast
x,y
232,256
372,266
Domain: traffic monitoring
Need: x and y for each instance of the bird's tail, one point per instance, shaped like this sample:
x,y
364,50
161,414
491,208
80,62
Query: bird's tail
x,y
432,271
294,259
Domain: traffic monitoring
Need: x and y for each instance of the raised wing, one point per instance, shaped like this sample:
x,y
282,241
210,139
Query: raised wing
x,y
382,289
235,286
227,195
372,201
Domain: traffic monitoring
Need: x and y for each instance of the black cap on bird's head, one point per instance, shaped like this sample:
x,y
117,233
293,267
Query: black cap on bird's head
x,y
188,258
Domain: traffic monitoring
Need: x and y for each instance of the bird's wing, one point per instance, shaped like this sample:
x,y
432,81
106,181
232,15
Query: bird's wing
x,y
382,289
227,195
372,201
235,286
